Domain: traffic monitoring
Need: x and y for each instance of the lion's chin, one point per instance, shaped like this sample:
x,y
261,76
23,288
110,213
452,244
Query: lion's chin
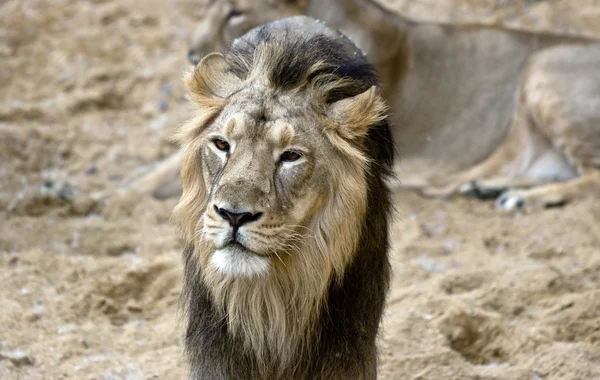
x,y
236,260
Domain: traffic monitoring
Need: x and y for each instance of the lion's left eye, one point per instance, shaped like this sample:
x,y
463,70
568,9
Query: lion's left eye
x,y
290,156
221,145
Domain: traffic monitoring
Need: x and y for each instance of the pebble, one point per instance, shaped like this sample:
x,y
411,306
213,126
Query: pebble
x,y
17,357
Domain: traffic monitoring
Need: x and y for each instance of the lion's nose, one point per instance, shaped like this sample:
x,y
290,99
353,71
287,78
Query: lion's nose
x,y
237,219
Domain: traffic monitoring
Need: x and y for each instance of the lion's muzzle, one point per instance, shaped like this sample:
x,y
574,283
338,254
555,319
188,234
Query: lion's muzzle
x,y
236,219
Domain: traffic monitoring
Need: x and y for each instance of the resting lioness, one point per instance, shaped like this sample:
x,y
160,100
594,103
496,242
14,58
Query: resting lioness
x,y
478,110
285,208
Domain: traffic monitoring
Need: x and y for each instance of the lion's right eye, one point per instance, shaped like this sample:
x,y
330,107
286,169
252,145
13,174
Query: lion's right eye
x,y
290,156
233,13
221,145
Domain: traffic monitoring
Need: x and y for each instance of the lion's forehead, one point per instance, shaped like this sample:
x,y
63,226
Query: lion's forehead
x,y
261,100
279,120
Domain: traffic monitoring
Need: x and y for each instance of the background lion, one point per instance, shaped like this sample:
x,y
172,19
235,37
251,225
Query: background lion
x,y
479,110
284,207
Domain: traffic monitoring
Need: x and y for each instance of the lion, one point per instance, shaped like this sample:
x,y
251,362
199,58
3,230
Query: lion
x,y
285,207
477,110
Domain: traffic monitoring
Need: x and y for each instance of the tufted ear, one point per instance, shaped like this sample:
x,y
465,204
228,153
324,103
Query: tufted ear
x,y
211,81
354,116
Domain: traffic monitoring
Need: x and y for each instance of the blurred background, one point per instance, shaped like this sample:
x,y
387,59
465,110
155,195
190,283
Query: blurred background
x,y
90,95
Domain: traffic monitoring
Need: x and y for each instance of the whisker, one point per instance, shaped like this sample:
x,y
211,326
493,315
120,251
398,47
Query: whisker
x,y
257,237
212,225
295,226
204,233
276,254
293,247
211,217
259,233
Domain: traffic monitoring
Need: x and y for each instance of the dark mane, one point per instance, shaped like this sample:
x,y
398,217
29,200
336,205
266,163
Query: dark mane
x,y
298,53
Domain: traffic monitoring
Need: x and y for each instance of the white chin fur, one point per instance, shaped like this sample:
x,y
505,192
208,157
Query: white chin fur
x,y
232,261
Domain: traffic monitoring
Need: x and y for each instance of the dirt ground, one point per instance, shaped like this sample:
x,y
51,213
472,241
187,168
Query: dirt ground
x,y
90,93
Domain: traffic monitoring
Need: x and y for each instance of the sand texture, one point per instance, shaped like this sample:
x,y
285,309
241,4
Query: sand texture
x,y
90,93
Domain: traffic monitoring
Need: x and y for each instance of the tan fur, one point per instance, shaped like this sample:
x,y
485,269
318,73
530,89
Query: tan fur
x,y
274,313
358,113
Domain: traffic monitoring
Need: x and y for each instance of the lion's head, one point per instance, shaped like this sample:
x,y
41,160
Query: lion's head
x,y
225,20
288,137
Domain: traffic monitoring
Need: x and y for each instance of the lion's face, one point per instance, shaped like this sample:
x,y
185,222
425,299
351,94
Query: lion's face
x,y
273,165
264,165
225,20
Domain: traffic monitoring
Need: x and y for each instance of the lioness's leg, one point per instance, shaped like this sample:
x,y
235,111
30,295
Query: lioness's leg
x,y
551,195
555,134
161,182
525,158
563,93
492,188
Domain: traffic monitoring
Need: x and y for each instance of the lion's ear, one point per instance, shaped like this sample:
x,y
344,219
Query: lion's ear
x,y
354,116
211,81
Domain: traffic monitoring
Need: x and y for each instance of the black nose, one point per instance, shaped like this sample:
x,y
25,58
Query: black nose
x,y
193,57
237,219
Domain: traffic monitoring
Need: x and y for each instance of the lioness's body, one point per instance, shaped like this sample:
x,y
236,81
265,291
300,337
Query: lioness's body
x,y
463,103
285,208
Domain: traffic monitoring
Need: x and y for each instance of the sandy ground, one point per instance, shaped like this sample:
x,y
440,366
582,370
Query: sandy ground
x,y
90,92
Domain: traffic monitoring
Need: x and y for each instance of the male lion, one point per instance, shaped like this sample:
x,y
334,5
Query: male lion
x,y
285,209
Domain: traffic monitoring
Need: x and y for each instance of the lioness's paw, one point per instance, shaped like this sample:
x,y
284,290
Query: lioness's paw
x,y
511,200
528,199
482,189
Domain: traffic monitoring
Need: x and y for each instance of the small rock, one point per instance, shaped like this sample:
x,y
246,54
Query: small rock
x,y
91,170
148,110
162,105
431,229
34,317
17,357
36,313
165,88
12,262
134,308
429,265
